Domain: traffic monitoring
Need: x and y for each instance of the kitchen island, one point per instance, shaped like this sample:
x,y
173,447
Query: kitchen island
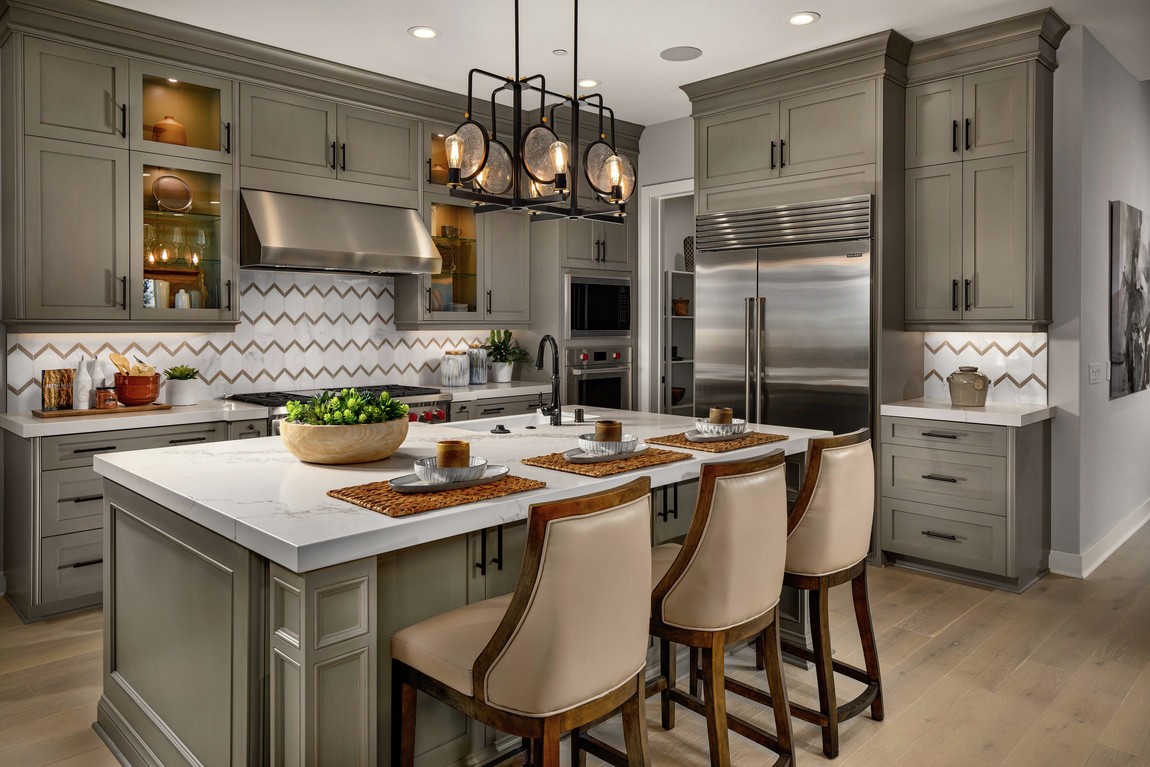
x,y
248,614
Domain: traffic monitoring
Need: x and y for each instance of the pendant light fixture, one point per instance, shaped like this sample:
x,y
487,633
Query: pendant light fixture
x,y
538,171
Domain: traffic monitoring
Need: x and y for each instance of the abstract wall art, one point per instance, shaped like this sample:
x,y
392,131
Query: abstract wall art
x,y
1129,301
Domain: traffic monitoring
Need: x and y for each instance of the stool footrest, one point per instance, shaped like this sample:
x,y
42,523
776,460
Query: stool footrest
x,y
851,708
847,670
601,750
735,725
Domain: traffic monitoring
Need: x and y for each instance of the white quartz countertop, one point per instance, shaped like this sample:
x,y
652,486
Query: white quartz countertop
x,y
256,493
992,414
491,390
28,426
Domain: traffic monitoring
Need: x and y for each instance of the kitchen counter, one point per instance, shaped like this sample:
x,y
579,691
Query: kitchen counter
x,y
28,426
491,389
256,493
993,414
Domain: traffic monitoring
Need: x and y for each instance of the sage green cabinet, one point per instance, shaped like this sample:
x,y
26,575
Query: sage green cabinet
x,y
934,242
377,148
967,118
994,227
597,245
74,93
73,268
738,146
828,129
287,132
505,242
200,103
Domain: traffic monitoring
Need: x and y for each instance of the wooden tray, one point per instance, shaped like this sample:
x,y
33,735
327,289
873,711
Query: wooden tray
x,y
99,411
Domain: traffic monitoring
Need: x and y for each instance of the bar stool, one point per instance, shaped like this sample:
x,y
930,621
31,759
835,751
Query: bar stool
x,y
720,587
830,534
566,648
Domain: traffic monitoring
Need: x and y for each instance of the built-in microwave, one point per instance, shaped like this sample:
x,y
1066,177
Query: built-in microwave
x,y
598,306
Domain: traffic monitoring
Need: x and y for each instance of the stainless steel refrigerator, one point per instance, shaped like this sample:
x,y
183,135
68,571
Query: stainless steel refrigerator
x,y
783,328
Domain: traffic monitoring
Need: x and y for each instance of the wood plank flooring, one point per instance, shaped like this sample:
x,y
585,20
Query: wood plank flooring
x,y
1056,677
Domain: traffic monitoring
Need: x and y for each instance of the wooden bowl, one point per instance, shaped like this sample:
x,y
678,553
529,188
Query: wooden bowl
x,y
137,390
677,393
360,443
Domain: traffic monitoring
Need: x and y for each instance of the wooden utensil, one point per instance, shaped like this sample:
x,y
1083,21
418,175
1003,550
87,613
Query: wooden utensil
x,y
121,362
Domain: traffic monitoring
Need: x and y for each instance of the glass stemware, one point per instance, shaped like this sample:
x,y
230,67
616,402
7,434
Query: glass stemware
x,y
150,244
198,246
177,242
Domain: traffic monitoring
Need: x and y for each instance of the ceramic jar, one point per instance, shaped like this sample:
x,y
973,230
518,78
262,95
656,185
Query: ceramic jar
x,y
477,359
168,131
454,370
968,387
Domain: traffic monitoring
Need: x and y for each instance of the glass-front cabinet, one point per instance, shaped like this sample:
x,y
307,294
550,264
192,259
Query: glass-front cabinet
x,y
435,157
181,113
454,293
183,243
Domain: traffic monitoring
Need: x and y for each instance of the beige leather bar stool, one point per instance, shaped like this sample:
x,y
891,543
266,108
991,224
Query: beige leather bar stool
x,y
830,534
720,587
566,648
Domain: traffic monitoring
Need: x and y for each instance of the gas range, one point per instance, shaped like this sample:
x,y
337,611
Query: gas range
x,y
424,403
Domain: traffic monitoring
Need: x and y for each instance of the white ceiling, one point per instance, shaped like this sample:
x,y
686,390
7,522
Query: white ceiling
x,y
620,40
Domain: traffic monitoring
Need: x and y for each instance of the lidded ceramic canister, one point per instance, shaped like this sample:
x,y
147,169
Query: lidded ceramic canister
x,y
454,369
477,359
968,387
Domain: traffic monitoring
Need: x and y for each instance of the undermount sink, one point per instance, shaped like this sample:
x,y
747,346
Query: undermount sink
x,y
536,420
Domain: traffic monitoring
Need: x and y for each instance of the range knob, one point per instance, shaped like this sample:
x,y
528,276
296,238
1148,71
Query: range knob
x,y
584,357
413,416
425,416
616,356
441,415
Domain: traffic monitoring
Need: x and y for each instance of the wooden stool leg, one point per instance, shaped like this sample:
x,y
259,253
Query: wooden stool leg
x,y
578,755
635,725
536,752
550,743
866,635
760,651
667,671
402,720
693,676
777,684
715,698
821,637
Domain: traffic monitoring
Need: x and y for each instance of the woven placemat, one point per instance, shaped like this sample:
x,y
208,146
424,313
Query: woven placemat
x,y
652,457
750,440
378,496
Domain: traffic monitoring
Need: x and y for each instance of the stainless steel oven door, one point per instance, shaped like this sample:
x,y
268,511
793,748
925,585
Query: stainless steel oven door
x,y
599,386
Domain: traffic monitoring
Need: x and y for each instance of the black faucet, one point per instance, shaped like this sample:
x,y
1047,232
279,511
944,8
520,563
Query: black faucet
x,y
555,409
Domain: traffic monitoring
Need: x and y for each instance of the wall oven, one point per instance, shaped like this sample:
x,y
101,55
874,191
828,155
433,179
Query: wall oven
x,y
599,377
597,306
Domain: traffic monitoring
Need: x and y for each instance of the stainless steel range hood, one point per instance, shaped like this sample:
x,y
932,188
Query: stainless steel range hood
x,y
309,234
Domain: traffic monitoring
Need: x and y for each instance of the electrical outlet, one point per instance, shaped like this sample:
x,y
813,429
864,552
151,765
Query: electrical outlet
x,y
1095,373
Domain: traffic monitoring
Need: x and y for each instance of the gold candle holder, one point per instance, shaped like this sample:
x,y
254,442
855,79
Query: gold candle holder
x,y
452,454
608,431
721,415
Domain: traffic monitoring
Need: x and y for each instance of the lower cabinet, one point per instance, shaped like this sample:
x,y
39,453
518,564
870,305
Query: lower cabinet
x,y
967,498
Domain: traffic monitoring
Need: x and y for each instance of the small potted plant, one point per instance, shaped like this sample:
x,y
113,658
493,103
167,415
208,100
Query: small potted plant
x,y
503,353
182,387
347,426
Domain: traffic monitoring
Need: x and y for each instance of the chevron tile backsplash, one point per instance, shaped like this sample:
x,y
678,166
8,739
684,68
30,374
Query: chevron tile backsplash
x,y
297,331
1015,363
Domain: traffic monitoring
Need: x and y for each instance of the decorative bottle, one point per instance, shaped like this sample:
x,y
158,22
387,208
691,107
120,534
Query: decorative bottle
x,y
82,386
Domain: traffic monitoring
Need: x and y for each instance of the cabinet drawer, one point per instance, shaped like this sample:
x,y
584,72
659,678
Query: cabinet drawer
x,y
947,536
71,500
945,435
945,478
490,408
71,565
76,450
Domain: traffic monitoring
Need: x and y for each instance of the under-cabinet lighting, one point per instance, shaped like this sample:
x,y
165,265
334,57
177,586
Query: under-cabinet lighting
x,y
173,80
213,202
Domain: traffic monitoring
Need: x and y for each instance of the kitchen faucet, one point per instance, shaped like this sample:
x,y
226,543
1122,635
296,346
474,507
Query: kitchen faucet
x,y
555,409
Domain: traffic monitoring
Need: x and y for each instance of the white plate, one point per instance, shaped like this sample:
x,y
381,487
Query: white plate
x,y
576,455
409,483
694,436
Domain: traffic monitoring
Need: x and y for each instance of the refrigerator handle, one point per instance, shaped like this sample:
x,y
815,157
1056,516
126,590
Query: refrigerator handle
x,y
750,339
760,355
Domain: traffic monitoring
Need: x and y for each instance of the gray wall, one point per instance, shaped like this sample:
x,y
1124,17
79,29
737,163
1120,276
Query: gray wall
x,y
1102,153
667,152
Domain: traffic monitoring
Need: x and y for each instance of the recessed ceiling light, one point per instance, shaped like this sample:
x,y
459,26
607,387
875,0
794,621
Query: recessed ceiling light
x,y
439,135
423,33
588,83
172,80
560,51
681,53
804,18
213,202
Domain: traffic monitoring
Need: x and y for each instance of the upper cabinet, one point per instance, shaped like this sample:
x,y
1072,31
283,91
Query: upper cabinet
x,y
75,93
738,146
967,118
377,148
828,129
598,245
180,113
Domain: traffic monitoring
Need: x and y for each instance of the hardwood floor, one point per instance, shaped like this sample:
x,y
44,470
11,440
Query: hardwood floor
x,y
1057,677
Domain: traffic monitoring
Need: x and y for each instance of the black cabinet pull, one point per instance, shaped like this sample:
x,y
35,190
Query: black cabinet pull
x,y
87,563
101,449
940,478
429,300
942,536
124,293
186,440
939,434
669,509
773,165
229,289
481,565
333,155
498,559
429,170
968,133
227,138
87,498
966,294
343,156
491,411
783,153
954,295
954,136
489,302
603,245
124,120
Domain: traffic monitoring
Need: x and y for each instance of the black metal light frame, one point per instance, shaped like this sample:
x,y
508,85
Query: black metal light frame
x,y
554,206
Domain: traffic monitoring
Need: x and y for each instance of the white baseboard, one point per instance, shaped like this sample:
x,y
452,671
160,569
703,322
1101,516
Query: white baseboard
x,y
1081,565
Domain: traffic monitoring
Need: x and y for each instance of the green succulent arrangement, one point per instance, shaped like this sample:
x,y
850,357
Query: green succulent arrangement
x,y
501,348
346,408
181,373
